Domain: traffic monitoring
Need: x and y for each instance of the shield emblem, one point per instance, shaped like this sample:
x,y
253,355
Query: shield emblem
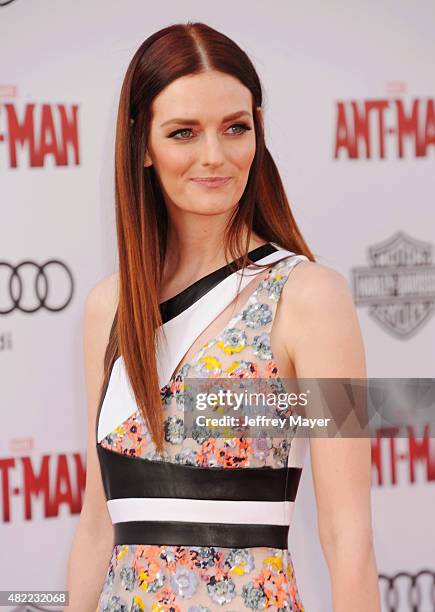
x,y
399,286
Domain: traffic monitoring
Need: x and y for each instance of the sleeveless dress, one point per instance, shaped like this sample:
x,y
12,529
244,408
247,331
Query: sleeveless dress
x,y
204,525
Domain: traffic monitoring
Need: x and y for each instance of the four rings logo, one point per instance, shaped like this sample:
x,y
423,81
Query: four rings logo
x,y
399,286
29,286
406,591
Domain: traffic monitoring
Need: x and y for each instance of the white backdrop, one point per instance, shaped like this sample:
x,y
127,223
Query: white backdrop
x,y
322,65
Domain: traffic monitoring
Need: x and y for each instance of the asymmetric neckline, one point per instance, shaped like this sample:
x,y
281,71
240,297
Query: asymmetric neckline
x,y
177,337
175,305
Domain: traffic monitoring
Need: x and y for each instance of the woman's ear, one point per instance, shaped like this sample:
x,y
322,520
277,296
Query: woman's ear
x,y
148,161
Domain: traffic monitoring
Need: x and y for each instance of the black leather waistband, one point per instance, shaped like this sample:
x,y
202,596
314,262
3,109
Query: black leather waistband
x,y
127,476
179,533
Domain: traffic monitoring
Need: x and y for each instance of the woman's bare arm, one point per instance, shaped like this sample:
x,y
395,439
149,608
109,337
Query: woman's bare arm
x,y
323,340
93,540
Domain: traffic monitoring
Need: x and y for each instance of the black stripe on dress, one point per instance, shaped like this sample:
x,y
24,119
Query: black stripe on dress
x,y
178,303
126,476
183,533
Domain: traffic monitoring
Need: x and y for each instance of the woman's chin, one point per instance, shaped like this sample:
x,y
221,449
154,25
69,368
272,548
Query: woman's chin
x,y
208,205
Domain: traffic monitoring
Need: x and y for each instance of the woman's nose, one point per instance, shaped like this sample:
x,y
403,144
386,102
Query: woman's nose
x,y
212,152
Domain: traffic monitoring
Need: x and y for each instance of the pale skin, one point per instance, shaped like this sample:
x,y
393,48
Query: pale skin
x,y
315,333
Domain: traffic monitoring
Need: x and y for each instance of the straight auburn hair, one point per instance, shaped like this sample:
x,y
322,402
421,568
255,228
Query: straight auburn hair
x,y
141,217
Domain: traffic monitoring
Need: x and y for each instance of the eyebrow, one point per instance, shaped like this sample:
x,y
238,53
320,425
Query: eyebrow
x,y
235,115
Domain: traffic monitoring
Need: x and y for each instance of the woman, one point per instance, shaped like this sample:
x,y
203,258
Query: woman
x,y
194,182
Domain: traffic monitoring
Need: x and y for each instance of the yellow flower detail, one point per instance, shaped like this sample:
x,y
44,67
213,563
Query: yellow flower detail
x,y
211,363
229,350
239,569
227,432
275,562
157,608
120,431
122,552
232,367
139,602
143,577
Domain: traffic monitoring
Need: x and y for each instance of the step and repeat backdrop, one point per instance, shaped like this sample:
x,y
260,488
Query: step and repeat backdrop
x,y
350,120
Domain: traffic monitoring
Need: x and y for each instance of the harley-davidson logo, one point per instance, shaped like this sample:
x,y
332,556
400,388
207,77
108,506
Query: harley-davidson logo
x,y
399,286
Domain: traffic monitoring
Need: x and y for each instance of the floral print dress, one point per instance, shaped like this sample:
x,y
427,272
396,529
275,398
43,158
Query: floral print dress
x,y
205,578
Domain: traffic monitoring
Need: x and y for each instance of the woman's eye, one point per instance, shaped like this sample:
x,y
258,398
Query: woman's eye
x,y
244,128
178,134
173,134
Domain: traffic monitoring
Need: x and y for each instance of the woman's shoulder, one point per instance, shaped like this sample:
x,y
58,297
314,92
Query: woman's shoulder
x,y
314,295
318,320
310,282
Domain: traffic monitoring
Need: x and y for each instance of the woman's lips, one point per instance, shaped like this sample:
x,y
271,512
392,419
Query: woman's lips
x,y
212,181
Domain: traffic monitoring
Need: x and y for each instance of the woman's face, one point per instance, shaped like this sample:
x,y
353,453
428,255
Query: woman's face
x,y
202,128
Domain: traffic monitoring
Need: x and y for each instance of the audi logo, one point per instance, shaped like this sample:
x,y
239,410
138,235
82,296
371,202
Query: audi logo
x,y
408,592
28,286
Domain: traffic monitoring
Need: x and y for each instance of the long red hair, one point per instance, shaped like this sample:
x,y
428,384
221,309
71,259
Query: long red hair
x,y
141,216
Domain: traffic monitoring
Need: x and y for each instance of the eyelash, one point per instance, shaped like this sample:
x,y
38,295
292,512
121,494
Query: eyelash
x,y
245,127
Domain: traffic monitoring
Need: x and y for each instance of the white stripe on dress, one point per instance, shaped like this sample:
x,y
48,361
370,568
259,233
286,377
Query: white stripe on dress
x,y
200,511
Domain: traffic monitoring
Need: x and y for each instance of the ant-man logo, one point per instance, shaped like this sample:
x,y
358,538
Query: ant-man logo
x,y
29,286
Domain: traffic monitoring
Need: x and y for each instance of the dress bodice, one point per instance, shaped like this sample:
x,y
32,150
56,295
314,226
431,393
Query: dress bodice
x,y
228,497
